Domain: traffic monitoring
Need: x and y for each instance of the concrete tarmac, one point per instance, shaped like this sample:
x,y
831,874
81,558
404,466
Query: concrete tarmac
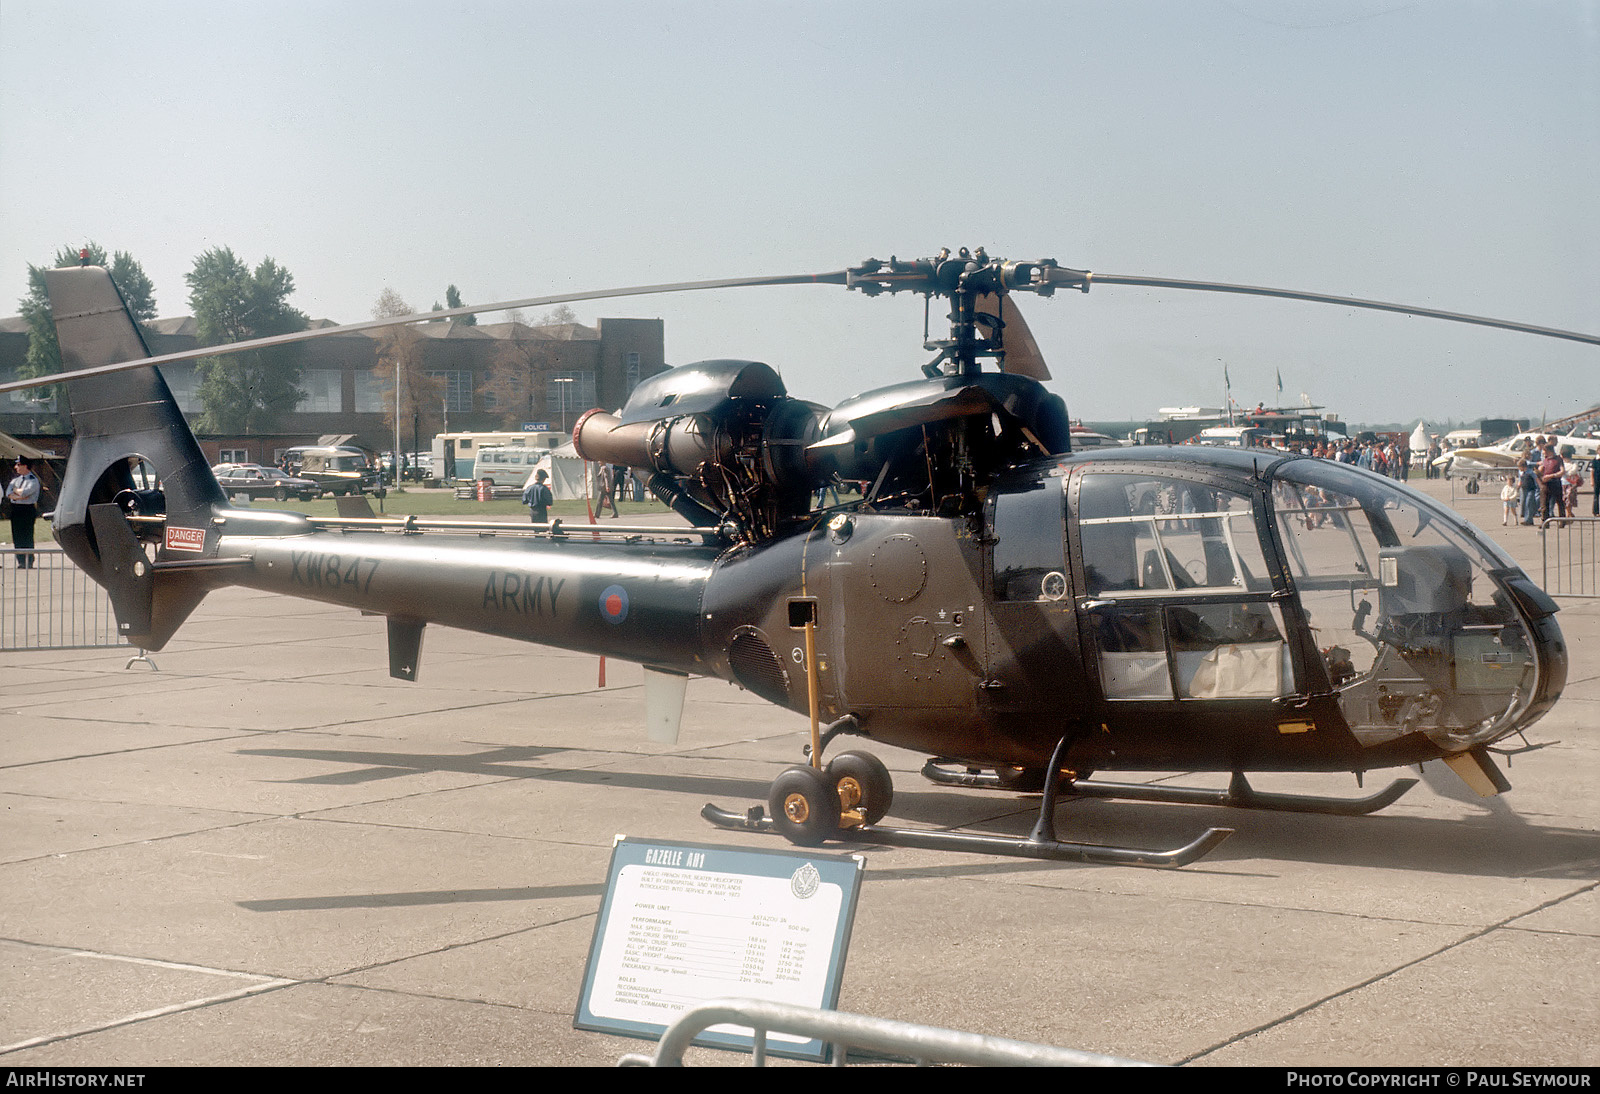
x,y
269,852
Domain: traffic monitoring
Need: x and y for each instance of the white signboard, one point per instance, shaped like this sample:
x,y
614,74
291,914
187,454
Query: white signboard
x,y
682,923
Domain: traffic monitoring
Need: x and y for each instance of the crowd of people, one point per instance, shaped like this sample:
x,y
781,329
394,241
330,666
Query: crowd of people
x,y
1545,485
1389,458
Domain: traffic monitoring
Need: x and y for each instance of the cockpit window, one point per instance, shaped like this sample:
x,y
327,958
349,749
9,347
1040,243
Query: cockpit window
x,y
1149,535
1413,628
1178,591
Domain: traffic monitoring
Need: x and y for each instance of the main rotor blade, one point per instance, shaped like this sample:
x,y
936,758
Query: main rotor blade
x,y
835,278
1084,280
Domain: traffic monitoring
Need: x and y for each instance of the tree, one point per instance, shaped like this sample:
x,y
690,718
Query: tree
x,y
400,361
452,300
558,316
248,392
511,388
517,379
44,352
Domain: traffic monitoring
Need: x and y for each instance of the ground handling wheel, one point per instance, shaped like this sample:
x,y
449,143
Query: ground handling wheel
x,y
804,805
863,785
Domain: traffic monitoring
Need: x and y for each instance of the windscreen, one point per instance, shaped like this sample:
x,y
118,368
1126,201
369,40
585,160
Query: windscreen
x,y
1413,630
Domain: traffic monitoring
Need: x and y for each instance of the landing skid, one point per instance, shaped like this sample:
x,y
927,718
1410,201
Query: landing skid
x,y
755,820
1239,795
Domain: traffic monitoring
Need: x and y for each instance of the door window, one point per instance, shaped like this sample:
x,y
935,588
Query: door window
x,y
1145,535
1029,562
1178,591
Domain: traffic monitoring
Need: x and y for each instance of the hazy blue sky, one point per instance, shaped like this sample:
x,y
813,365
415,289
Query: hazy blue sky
x,y
1442,153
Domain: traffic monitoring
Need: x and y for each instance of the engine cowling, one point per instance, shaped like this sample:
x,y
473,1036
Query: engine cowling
x,y
717,438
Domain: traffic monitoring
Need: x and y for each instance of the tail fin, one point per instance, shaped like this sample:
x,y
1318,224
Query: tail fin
x,y
116,419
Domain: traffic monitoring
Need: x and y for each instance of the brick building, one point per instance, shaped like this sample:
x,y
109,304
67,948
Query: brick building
x,y
492,377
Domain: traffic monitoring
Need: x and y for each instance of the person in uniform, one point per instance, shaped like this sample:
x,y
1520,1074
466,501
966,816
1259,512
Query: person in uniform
x,y
23,494
538,497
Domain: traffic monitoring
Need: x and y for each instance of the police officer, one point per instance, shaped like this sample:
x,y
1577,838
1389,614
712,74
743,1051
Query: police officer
x,y
538,498
23,494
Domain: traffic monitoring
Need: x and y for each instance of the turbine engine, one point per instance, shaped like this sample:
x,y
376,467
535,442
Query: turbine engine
x,y
720,441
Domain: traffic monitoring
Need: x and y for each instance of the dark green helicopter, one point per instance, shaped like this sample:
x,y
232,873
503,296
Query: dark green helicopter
x,y
1026,615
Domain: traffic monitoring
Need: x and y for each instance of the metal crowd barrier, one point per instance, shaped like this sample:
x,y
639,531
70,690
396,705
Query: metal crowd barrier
x,y
52,605
918,1044
1571,556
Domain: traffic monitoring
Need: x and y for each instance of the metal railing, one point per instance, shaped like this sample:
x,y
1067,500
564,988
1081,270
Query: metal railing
x,y
1571,556
880,1036
51,604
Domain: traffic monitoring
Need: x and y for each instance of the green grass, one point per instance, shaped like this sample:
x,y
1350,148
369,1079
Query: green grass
x,y
412,503
409,503
41,534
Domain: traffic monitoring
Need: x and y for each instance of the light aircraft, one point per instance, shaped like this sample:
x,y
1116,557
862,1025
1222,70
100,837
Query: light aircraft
x,y
1507,455
1025,614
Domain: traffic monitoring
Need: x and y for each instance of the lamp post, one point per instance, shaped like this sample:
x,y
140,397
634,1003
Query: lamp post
x,y
563,380
395,465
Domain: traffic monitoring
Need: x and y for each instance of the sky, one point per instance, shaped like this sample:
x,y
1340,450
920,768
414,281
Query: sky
x,y
1437,153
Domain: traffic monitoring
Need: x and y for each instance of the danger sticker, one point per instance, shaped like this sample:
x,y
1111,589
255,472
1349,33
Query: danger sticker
x,y
186,539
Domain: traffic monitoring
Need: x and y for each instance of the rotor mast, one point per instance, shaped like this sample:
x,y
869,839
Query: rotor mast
x,y
965,277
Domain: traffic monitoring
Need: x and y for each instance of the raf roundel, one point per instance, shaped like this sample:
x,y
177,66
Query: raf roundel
x,y
614,604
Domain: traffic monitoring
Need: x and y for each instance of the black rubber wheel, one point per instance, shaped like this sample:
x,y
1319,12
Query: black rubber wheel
x,y
862,782
280,494
804,806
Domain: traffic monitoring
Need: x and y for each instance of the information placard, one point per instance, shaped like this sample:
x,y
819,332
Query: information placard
x,y
682,923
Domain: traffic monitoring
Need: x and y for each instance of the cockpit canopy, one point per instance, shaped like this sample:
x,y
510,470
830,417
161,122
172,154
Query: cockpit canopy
x,y
1261,577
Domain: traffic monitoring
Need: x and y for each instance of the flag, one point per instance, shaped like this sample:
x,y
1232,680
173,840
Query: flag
x,y
1280,381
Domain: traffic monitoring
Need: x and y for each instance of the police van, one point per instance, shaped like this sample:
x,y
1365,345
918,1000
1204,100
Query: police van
x,y
507,464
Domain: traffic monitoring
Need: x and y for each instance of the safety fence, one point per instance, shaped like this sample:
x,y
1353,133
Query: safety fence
x,y
880,1038
1571,556
47,603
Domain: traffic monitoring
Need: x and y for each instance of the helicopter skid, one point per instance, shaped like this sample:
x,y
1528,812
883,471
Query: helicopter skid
x,y
755,820
1239,794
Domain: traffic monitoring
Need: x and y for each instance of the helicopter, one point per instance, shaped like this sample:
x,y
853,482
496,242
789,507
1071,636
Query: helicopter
x,y
1024,614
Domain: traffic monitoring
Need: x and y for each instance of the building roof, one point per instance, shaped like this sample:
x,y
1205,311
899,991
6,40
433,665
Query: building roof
x,y
558,332
186,326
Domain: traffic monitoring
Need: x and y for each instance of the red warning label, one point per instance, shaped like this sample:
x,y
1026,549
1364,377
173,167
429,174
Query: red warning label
x,y
186,539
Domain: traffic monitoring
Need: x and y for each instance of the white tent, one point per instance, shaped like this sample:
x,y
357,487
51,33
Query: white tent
x,y
1419,438
566,469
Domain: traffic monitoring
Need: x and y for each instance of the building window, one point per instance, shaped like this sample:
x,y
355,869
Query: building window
x,y
323,389
39,400
233,455
184,382
578,394
373,396
457,389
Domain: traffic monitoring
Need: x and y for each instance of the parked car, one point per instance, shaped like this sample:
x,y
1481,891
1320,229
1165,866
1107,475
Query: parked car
x,y
264,482
338,469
